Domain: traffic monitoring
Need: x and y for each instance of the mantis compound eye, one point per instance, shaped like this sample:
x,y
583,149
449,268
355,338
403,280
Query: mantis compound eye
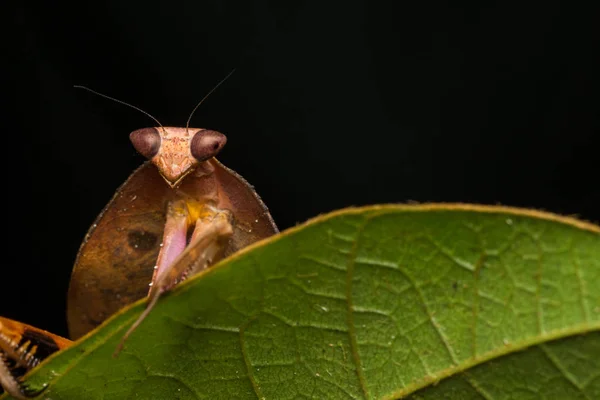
x,y
146,141
207,144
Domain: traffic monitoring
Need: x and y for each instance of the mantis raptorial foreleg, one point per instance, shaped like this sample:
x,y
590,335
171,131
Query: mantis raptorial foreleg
x,y
211,231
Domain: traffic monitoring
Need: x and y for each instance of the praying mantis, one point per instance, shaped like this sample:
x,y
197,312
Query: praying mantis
x,y
176,215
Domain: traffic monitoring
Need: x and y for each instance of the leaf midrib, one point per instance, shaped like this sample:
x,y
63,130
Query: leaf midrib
x,y
508,349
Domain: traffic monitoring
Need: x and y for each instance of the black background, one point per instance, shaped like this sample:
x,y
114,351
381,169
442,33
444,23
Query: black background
x,y
331,105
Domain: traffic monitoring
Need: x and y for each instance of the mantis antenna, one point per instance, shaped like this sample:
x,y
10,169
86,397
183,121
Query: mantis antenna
x,y
118,101
187,124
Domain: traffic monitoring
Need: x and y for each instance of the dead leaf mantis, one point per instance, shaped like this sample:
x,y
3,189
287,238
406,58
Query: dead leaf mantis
x,y
177,214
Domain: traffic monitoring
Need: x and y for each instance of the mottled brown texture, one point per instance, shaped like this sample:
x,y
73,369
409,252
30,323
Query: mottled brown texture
x,y
116,260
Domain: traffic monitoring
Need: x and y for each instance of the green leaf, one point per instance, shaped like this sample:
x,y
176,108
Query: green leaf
x,y
422,302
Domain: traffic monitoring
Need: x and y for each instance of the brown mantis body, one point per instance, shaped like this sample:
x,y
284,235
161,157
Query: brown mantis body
x,y
175,216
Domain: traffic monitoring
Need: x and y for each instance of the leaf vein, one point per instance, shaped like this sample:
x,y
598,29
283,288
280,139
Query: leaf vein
x,y
247,362
476,273
561,368
475,385
431,319
317,375
323,263
350,316
582,289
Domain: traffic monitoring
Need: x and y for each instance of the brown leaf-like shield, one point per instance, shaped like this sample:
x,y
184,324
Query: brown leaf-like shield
x,y
116,260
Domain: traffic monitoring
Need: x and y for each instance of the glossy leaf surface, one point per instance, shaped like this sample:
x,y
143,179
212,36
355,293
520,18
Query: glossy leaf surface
x,y
421,302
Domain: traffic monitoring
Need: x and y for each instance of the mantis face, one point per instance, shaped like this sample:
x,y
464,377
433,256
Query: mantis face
x,y
177,151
